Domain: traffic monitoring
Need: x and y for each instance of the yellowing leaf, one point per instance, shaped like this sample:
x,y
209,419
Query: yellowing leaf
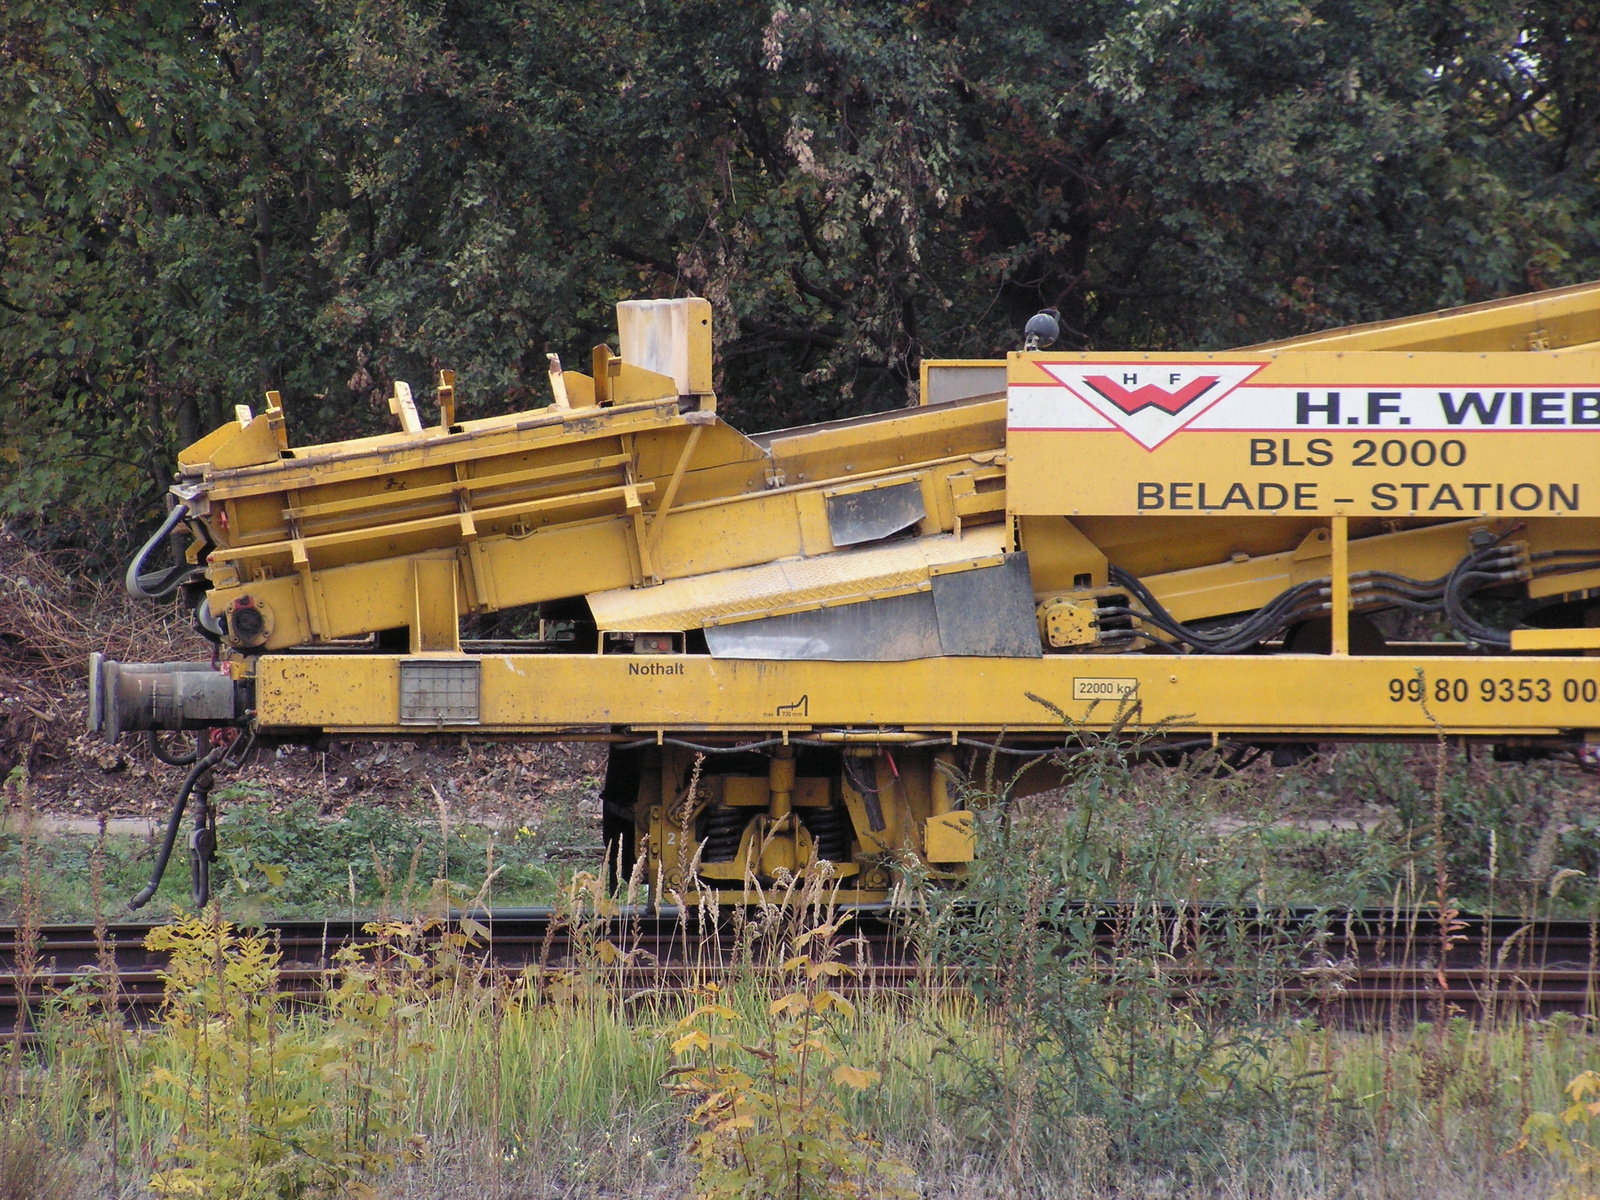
x,y
793,1002
276,873
695,1038
854,1077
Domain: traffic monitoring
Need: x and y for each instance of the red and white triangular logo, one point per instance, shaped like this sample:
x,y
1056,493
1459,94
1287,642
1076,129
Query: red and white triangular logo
x,y
1151,401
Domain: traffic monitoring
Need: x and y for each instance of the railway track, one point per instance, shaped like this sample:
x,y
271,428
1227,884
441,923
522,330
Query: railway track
x,y
1356,968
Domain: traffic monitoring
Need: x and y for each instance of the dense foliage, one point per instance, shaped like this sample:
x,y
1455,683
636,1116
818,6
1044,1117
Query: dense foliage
x,y
204,199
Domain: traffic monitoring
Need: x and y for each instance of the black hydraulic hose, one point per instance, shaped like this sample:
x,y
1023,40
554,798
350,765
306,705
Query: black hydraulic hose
x,y
152,585
174,823
1394,600
1486,566
166,756
210,628
1387,581
1482,568
1569,568
1433,586
202,846
1280,611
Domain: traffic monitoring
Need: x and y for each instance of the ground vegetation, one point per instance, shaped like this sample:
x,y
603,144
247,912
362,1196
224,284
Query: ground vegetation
x,y
1030,1057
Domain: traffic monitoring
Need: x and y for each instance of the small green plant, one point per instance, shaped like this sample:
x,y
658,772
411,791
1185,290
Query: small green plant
x,y
1122,1003
771,1115
266,1106
1568,1137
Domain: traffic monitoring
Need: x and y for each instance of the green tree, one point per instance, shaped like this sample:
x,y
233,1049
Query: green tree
x,y
206,200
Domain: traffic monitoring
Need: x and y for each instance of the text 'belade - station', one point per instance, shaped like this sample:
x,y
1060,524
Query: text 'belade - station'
x,y
1384,496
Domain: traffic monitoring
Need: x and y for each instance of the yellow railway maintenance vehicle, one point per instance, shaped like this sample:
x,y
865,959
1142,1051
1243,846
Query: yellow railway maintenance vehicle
x,y
1212,546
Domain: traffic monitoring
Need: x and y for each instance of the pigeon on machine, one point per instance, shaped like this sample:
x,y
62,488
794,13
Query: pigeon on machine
x,y
1042,329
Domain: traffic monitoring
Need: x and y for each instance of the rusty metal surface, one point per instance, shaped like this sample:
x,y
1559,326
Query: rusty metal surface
x,y
1357,969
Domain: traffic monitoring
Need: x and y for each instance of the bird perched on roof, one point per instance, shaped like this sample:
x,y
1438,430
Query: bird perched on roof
x,y
1042,330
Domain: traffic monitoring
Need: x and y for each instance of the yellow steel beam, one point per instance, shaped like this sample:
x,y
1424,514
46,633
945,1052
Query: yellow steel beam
x,y
394,453
793,585
401,529
1287,695
670,496
383,502
1339,609
1551,320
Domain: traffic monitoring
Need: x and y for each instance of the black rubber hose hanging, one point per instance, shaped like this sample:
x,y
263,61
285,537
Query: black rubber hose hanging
x,y
207,625
202,844
869,797
174,823
154,584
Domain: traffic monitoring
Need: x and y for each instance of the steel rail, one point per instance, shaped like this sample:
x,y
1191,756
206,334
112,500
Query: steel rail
x,y
1355,968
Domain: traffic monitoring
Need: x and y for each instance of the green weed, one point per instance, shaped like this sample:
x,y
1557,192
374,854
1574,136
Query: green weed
x,y
771,1118
264,1106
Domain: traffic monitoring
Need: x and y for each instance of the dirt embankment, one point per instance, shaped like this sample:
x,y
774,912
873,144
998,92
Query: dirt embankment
x,y
53,615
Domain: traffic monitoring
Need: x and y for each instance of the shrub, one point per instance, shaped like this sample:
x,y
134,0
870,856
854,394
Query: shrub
x,y
267,1106
1124,1005
31,1169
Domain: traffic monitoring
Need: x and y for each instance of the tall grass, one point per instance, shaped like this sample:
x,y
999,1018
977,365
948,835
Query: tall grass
x,y
1085,1026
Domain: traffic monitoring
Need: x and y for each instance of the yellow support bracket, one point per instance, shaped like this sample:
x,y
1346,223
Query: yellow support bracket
x,y
447,400
659,522
1340,600
435,611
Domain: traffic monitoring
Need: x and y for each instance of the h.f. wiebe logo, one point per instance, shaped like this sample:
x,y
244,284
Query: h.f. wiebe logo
x,y
1148,401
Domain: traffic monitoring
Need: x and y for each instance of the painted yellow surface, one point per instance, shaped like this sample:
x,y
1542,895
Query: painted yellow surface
x,y
1537,640
1326,464
1399,695
1384,434
1560,318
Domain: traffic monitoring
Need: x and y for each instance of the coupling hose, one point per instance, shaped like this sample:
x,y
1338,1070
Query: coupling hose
x,y
152,585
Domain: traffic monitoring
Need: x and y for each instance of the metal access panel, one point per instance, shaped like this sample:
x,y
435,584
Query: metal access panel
x,y
981,613
988,613
439,692
1305,433
865,514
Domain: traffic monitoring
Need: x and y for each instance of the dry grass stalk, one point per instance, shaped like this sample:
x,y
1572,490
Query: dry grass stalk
x,y
53,615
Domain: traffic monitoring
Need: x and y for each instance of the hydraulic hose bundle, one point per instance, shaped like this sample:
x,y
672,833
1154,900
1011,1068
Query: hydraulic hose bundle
x,y
1488,565
150,585
1491,563
1289,606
